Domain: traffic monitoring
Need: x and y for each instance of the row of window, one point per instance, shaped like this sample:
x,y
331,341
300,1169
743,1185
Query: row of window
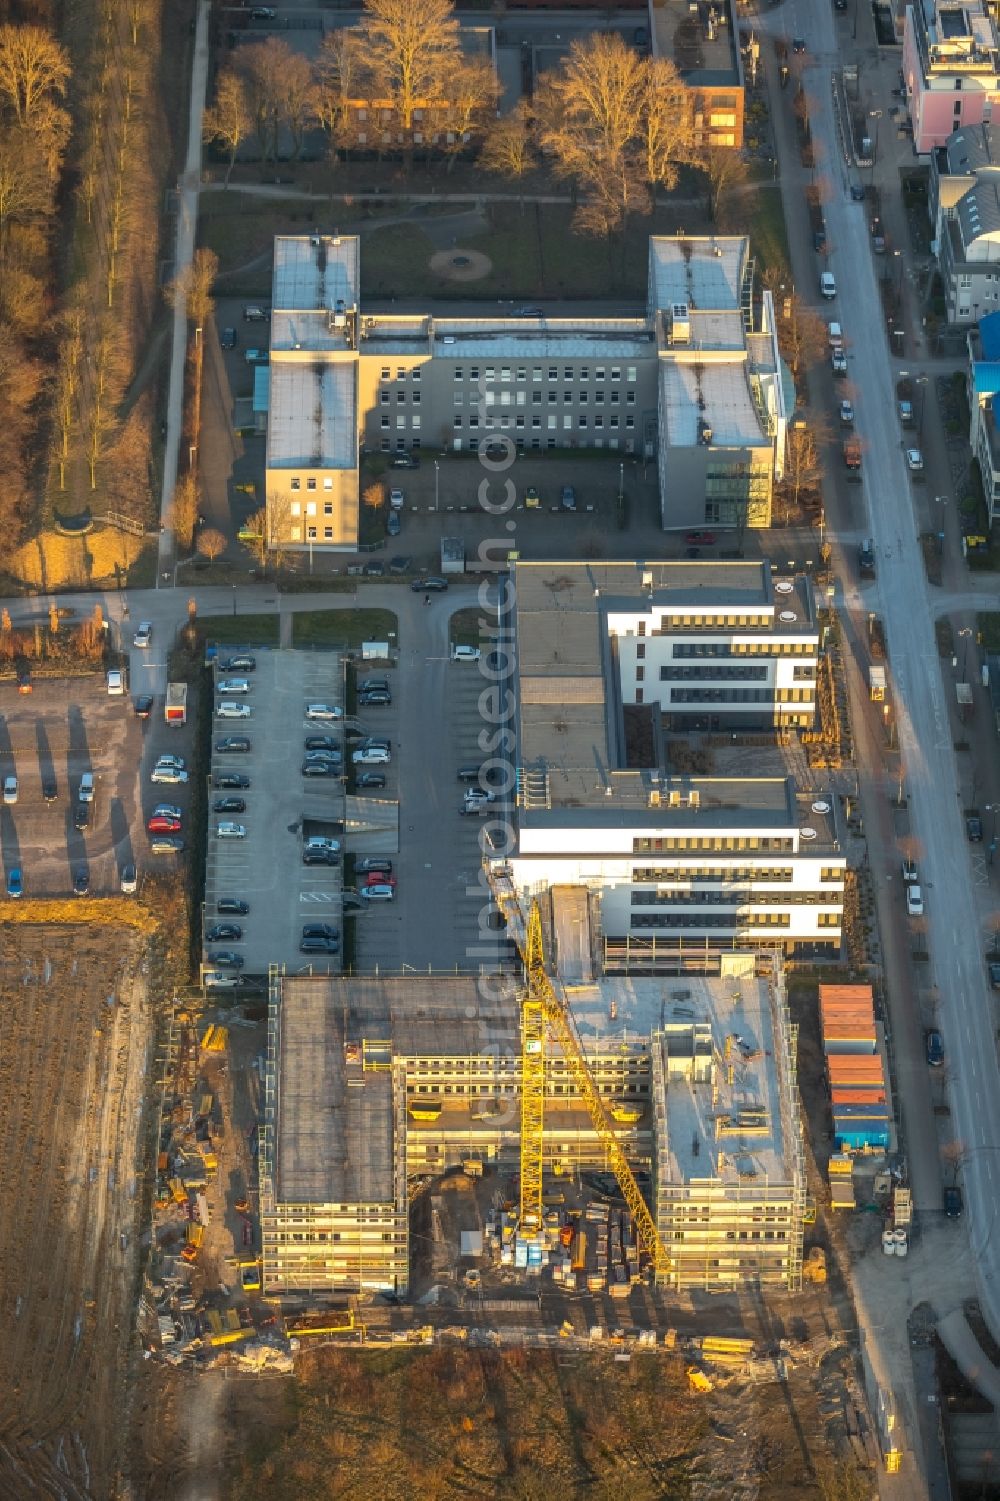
x,y
614,422
385,444
742,648
706,674
520,372
669,844
520,398
665,625
652,873
725,920
295,508
311,482
729,898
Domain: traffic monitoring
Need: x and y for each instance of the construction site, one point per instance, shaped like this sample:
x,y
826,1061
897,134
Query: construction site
x,y
619,1135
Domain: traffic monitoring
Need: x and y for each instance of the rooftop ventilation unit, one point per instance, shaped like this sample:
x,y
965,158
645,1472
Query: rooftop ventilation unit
x,y
339,313
694,799
704,432
680,323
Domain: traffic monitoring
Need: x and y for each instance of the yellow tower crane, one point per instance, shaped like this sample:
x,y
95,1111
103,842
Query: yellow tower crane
x,y
543,1010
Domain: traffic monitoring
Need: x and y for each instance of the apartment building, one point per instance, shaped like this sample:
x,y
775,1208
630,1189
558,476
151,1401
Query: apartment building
x,y
702,40
695,384
984,390
964,206
951,68
685,863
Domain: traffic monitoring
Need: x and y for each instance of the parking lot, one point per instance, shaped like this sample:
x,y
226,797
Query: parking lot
x,y
264,866
49,739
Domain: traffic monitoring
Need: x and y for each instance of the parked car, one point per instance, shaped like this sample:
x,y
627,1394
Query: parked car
x,y
532,499
256,313
380,893
322,842
224,932
838,362
229,338
10,789
168,774
144,634
914,901
321,768
319,857
319,930
50,789
231,710
974,829
177,762
256,356
244,663
847,413
81,880
370,780
397,500
228,829
953,1205
233,745
15,882
432,585
700,539
319,945
405,461
81,818
567,498
827,285
233,905
465,653
233,685
373,685
323,711
167,810
994,970
229,805
371,755
232,779
393,524
914,460
116,683
375,699
374,862
129,880
161,825
380,878
219,979
934,1048
910,872
227,959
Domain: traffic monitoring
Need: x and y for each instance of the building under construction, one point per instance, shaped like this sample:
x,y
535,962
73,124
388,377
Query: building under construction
x,y
375,1086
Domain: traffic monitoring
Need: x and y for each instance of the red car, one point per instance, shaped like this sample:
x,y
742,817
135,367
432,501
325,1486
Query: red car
x,y
700,539
161,825
379,878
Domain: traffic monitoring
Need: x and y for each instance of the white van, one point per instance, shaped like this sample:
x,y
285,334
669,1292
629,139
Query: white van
x,y
465,654
116,684
827,285
87,787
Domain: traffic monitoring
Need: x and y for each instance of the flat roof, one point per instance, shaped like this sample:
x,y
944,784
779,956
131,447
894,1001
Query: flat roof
x,y
313,272
698,38
333,1142
705,272
716,394
311,416
543,338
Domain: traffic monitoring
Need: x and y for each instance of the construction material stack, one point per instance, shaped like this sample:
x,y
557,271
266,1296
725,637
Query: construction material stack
x,y
855,1068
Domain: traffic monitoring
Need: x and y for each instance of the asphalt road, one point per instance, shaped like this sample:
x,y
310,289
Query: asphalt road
x,y
901,597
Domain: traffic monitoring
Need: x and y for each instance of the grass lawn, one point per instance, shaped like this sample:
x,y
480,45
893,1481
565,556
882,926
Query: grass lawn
x,y
988,630
343,627
768,236
241,630
239,227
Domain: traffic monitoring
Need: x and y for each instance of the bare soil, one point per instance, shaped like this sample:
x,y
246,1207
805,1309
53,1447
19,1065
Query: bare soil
x,y
75,1040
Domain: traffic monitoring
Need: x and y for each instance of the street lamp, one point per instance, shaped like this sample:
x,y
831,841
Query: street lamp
x,y
965,649
437,471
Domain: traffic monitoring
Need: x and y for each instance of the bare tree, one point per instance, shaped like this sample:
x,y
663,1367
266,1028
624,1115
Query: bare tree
x,y
211,543
184,509
25,185
374,496
953,1154
509,147
801,335
263,68
410,47
803,464
255,537
298,99
34,69
200,279
468,95
668,129
341,76
229,121
725,170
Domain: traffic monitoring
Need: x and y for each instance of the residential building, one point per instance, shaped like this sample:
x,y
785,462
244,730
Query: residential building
x,y
696,383
688,854
984,391
951,68
964,205
703,1094
702,40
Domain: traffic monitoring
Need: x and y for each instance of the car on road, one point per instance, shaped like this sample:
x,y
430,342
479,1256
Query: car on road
x,y
177,762
227,959
317,944
143,706
166,844
160,825
129,880
798,44
934,1048
231,710
229,338
994,970
229,805
910,877
397,500
231,779
405,461
370,780
81,880
819,241
432,585
393,524
371,755
700,539
532,499
262,13
228,829
322,768
168,774
847,413
144,634
233,745
232,906
567,498
81,817
224,932
167,810
838,362
529,312
50,789
914,901
974,829
15,882
914,460
323,711
827,285
233,685
953,1205
465,653
382,892
10,789
242,663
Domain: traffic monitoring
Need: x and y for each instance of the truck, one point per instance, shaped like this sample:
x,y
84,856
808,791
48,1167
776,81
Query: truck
x,y
175,707
852,458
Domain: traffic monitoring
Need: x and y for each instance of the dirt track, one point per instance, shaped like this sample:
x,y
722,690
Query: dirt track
x,y
71,1075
